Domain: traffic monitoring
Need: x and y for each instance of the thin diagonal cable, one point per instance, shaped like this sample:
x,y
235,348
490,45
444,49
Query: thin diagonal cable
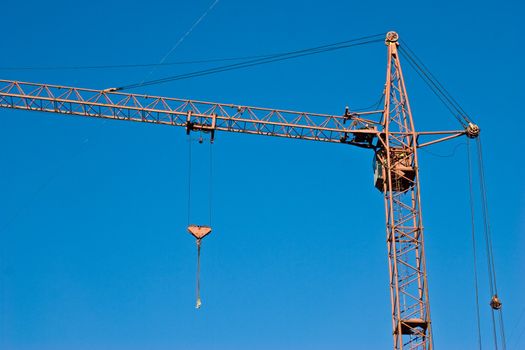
x,y
447,104
274,58
234,67
435,89
278,57
435,79
473,231
240,65
182,38
135,65
435,82
431,80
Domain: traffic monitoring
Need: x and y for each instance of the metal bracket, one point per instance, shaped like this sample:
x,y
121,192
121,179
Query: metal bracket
x,y
391,37
472,130
191,125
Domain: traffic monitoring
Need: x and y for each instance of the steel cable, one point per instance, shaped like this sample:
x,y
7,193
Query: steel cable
x,y
198,301
189,180
437,88
260,61
210,194
489,248
473,232
134,65
436,92
436,81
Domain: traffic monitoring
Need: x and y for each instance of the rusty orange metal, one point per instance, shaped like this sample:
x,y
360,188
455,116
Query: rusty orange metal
x,y
199,232
389,132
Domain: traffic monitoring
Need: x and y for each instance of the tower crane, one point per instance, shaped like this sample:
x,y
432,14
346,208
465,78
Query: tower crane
x,y
389,133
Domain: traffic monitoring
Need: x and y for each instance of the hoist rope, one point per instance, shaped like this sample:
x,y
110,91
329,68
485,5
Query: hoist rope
x,y
473,232
210,193
189,180
198,301
435,86
198,238
210,181
486,221
502,329
263,60
489,249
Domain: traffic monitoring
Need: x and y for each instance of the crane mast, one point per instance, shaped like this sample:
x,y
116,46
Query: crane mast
x,y
397,176
389,132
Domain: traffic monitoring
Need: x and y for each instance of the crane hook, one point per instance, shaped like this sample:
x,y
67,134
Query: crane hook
x,y
199,232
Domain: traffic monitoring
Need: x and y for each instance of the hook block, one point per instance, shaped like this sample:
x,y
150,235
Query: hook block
x,y
199,232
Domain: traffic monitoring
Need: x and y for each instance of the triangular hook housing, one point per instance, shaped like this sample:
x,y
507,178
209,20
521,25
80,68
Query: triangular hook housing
x,y
199,232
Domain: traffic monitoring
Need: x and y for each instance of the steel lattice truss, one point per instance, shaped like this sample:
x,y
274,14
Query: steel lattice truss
x,y
408,282
389,132
199,115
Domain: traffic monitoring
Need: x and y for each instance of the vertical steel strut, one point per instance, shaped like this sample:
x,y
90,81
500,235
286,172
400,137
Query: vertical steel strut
x,y
397,177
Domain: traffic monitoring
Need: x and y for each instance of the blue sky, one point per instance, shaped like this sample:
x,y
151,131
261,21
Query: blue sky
x,y
94,252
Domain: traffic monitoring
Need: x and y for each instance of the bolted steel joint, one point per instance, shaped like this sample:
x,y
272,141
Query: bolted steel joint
x,y
472,130
391,37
